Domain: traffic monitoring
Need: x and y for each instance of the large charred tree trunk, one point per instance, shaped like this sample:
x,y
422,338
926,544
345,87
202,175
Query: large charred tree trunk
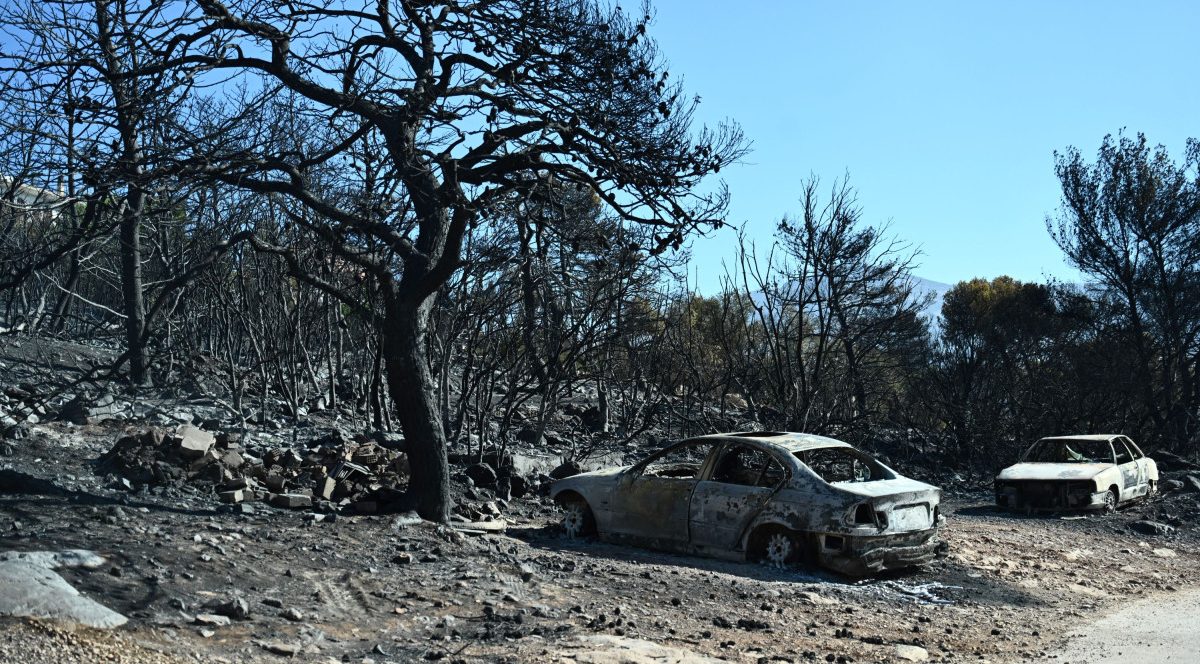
x,y
411,388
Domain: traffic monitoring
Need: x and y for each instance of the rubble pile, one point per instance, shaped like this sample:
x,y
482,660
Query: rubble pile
x,y
20,407
332,473
87,409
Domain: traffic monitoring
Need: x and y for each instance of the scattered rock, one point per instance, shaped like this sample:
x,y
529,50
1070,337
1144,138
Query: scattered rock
x,y
481,474
909,653
1151,528
566,469
235,608
212,620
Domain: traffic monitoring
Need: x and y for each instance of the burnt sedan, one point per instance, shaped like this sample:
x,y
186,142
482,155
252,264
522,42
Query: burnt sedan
x,y
1093,472
785,498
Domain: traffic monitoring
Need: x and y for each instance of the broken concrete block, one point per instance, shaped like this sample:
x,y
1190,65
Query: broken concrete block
x,y
232,460
235,496
291,500
326,487
207,459
235,484
193,443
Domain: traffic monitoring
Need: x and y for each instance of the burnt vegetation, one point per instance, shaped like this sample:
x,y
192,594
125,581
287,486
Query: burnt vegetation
x,y
467,222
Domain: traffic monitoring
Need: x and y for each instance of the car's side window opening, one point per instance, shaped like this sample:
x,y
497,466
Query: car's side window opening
x,y
1133,449
1123,453
681,463
840,464
747,466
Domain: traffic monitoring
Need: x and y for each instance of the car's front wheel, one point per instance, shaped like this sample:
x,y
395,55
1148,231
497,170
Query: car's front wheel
x,y
578,521
1110,501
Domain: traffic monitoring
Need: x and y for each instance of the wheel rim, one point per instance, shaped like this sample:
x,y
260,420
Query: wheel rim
x,y
779,549
573,520
1110,502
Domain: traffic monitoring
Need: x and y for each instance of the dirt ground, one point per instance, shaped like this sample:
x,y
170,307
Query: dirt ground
x,y
380,589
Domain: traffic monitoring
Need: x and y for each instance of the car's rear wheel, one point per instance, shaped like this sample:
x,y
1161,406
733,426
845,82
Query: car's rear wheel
x,y
1110,501
578,521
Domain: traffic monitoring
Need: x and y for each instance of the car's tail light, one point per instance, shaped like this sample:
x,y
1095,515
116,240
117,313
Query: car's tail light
x,y
864,515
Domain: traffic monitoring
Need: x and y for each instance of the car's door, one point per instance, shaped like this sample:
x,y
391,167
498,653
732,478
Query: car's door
x,y
736,485
1131,475
1141,470
651,500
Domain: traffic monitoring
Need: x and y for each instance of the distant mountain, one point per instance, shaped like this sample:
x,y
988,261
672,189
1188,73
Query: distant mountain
x,y
938,290
921,287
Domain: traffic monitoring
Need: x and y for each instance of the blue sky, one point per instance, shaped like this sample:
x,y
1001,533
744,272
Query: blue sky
x,y
946,115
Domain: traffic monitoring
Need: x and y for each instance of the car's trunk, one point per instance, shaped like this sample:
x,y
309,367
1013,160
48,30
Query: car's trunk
x,y
904,505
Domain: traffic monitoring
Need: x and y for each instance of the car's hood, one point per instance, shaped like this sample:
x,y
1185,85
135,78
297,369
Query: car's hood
x,y
1053,471
883,488
604,476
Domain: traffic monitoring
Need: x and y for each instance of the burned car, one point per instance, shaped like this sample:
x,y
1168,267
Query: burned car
x,y
785,498
1094,472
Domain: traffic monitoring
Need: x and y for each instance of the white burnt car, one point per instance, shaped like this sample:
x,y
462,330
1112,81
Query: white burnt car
x,y
785,498
1077,472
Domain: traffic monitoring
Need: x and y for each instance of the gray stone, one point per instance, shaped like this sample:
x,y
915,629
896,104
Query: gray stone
x,y
29,588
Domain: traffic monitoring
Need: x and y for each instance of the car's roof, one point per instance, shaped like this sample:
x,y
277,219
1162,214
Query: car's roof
x,y
787,440
1106,437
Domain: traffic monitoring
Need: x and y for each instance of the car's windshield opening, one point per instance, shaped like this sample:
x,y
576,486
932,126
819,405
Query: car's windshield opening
x,y
842,464
1064,450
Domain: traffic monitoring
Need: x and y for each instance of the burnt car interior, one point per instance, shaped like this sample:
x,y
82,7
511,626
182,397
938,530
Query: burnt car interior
x,y
840,464
1070,451
748,467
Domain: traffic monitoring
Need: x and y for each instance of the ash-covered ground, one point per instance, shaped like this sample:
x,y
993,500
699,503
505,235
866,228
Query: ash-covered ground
x,y
280,540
